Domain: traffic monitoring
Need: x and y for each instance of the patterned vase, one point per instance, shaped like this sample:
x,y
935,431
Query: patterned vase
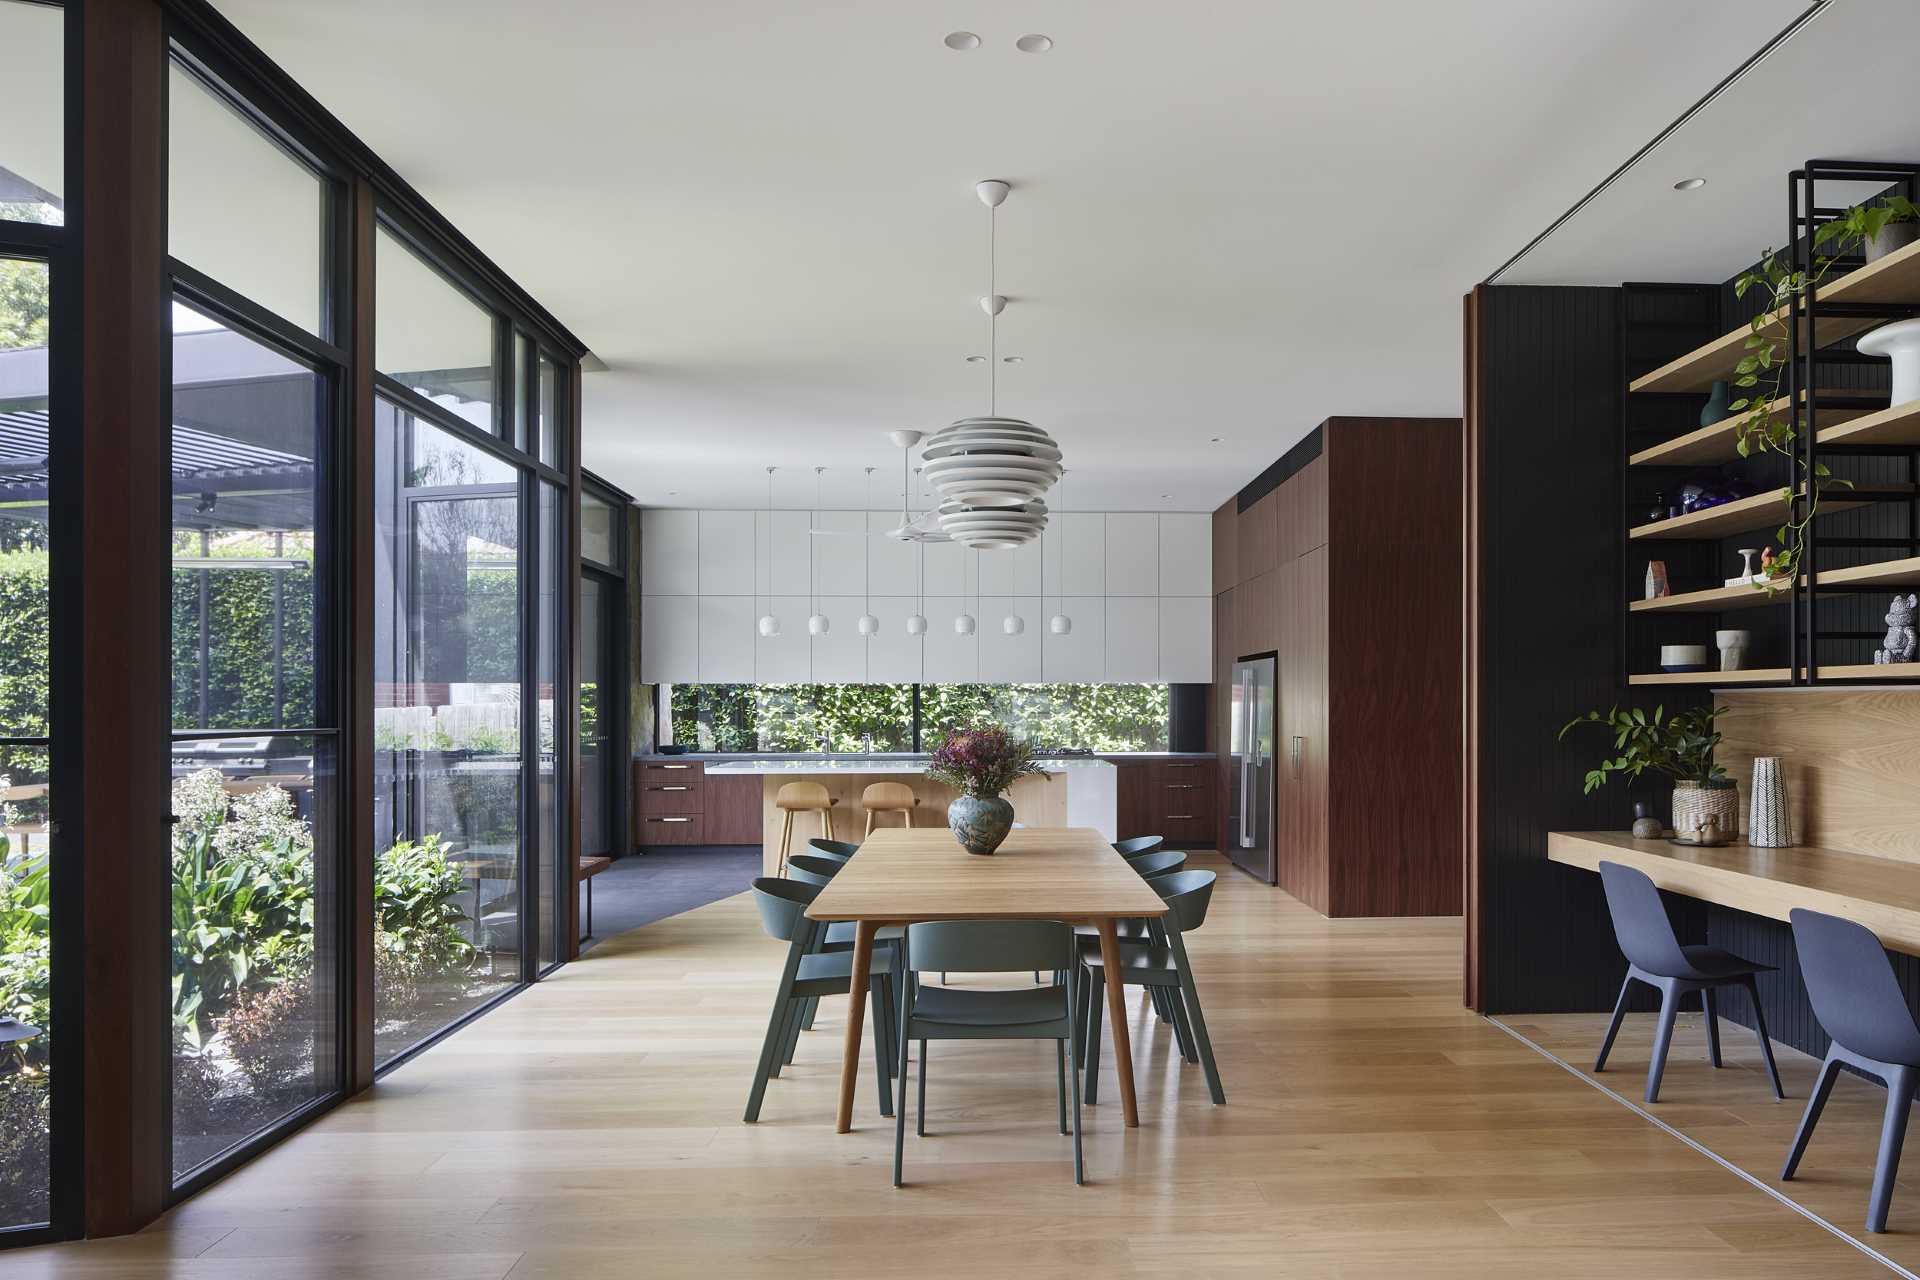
x,y
1693,802
1770,822
980,823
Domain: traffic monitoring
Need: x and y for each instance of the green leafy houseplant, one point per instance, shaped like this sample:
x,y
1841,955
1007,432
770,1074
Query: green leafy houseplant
x,y
1680,746
1763,368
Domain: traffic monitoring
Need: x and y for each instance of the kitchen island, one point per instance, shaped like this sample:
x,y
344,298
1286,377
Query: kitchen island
x,y
1074,792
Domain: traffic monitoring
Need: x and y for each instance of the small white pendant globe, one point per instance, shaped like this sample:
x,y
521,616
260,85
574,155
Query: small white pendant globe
x,y
1014,624
769,625
868,624
963,625
818,624
916,625
1061,625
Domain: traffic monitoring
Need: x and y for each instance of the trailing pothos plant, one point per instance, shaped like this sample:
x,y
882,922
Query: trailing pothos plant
x,y
1680,747
1762,369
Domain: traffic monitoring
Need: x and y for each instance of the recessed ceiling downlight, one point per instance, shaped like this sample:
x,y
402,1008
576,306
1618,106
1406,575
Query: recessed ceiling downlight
x,y
1689,184
976,359
1033,44
961,41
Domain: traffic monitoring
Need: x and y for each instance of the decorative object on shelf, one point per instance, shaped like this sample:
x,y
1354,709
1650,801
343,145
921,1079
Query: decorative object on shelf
x,y
1657,585
1897,232
980,764
1746,577
1659,510
1769,821
1681,747
1733,646
1769,565
1899,644
769,621
1709,834
1899,342
991,472
1762,372
1696,805
1645,825
1715,409
1679,658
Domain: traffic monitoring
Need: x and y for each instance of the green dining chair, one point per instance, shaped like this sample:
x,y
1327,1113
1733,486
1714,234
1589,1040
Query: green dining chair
x,y
840,849
808,975
1021,1013
1159,967
1138,845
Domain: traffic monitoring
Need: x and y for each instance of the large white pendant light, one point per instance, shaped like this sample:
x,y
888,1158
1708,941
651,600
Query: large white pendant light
x,y
769,621
817,622
868,624
1060,624
991,472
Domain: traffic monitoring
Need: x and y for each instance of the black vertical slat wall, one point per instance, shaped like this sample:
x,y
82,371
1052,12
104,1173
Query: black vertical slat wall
x,y
1552,512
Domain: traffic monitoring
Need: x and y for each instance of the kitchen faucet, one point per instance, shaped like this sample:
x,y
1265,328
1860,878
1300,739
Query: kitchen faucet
x,y
826,742
869,740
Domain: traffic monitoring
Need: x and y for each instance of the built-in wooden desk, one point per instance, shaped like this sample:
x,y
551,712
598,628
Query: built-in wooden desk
x,y
1881,893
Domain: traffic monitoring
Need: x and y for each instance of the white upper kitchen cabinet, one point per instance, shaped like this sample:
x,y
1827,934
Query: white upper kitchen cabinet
x,y
724,639
669,552
1080,656
1011,659
726,553
1133,639
840,655
949,656
1076,554
1186,640
893,656
840,553
782,553
896,564
788,657
1133,554
669,640
1186,555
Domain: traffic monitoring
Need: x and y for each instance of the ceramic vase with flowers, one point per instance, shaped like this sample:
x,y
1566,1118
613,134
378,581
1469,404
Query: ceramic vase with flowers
x,y
980,764
1679,746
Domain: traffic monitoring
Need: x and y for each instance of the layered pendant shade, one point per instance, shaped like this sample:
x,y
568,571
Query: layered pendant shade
x,y
990,474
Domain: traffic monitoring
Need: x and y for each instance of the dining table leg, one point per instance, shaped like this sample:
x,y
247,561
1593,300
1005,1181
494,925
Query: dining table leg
x,y
863,932
1116,1019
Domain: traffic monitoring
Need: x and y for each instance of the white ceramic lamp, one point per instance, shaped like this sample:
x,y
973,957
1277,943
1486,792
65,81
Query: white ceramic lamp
x,y
868,624
818,625
769,625
1900,343
916,624
1060,625
963,625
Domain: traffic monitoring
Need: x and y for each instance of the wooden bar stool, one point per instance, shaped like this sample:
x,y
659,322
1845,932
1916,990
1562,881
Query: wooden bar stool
x,y
802,797
888,797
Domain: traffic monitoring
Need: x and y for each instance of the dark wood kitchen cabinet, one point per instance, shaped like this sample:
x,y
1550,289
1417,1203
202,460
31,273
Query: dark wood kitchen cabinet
x,y
677,803
1169,798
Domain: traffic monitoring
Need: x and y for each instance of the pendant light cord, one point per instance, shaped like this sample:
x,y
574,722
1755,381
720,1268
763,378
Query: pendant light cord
x,y
993,351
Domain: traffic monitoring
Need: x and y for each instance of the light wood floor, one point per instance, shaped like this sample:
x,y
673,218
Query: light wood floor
x,y
591,1128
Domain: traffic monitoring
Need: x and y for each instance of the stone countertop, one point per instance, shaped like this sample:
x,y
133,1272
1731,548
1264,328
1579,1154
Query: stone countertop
x,y
734,757
869,764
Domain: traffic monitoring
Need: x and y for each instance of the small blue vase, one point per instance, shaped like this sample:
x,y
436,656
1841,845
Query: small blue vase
x,y
979,823
1716,407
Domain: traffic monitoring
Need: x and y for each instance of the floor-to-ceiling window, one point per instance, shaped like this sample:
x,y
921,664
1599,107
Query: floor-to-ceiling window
x,y
602,673
31,208
255,849
471,615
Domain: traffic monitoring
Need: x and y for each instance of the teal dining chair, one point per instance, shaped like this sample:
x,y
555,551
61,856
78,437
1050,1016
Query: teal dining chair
x,y
808,975
1160,967
1021,1013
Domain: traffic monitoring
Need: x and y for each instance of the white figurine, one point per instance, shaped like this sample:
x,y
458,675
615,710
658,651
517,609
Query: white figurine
x,y
1900,637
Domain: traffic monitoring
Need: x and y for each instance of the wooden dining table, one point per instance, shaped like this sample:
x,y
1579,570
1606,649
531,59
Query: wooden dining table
x,y
907,875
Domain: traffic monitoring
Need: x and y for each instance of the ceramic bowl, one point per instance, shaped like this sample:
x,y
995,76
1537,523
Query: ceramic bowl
x,y
1683,657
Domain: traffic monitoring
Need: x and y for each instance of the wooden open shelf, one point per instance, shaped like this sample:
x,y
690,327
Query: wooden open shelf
x,y
1899,425
1869,671
1717,442
1762,511
1752,675
1864,577
1895,278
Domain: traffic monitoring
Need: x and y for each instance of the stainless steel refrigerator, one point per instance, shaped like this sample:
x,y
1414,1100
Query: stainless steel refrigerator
x,y
1250,777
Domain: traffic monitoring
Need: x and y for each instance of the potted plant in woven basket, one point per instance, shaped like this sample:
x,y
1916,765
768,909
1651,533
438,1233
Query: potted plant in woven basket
x,y
1680,746
980,764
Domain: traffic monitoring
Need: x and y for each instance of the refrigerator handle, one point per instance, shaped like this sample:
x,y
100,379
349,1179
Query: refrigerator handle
x,y
1247,775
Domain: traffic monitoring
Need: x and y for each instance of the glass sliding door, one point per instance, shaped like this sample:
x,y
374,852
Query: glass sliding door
x,y
450,725
599,600
26,850
550,800
254,798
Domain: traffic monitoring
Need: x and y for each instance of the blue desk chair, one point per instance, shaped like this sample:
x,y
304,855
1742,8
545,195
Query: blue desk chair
x,y
1859,1003
1021,1013
1655,957
808,975
1162,967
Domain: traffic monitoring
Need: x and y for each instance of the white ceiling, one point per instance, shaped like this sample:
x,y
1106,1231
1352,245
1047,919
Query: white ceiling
x,y
1230,220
